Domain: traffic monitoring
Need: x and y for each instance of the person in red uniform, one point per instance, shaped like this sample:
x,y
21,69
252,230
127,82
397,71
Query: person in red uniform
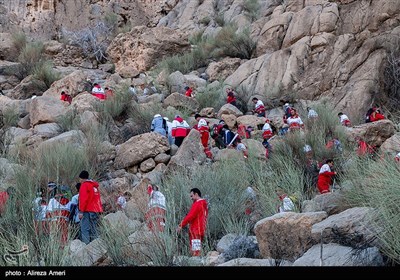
x,y
197,220
189,91
231,99
325,177
376,116
90,207
66,97
4,196
204,130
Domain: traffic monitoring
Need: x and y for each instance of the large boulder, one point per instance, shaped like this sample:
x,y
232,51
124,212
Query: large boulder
x,y
391,145
331,203
189,155
350,227
46,109
374,133
178,100
140,148
287,235
338,255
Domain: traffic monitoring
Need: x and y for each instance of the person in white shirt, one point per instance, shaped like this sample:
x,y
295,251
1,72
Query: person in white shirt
x,y
287,204
312,114
123,199
294,121
344,120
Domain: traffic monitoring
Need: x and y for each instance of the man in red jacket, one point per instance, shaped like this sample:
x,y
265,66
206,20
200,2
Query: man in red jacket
x,y
89,207
197,220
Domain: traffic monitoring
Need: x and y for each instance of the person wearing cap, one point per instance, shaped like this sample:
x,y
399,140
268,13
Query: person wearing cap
x,y
180,129
287,204
90,207
397,157
157,209
159,125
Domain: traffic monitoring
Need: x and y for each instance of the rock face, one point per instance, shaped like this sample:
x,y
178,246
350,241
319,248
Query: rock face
x,y
142,48
45,18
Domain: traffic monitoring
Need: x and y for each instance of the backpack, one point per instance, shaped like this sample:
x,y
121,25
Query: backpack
x,y
73,213
164,125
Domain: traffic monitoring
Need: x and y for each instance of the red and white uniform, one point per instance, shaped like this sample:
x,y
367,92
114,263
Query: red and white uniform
x,y
3,200
204,130
325,178
295,122
344,120
397,157
180,127
197,220
267,131
98,91
259,108
57,212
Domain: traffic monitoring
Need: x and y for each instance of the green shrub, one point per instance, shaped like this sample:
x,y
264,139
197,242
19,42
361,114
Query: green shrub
x,y
19,41
10,117
252,9
142,116
69,121
61,163
118,105
211,97
375,184
29,58
232,43
44,71
220,19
